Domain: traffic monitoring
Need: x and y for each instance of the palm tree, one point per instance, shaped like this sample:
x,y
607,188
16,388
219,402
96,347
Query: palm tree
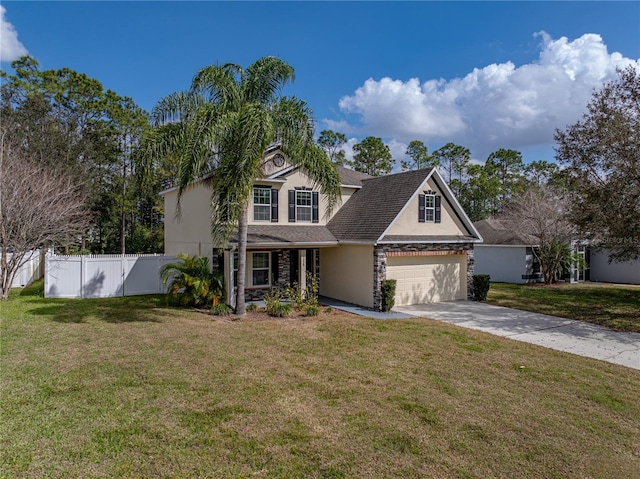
x,y
192,278
221,128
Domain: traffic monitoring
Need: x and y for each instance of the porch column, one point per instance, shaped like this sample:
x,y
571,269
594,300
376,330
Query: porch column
x,y
302,269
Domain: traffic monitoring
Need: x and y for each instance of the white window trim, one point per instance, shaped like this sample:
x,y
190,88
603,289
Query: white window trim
x,y
310,206
248,277
268,205
431,208
268,268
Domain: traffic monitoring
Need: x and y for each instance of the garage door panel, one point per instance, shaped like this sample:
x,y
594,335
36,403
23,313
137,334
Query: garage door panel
x,y
427,279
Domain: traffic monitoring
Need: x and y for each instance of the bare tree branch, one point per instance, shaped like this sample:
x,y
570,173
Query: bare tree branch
x,y
39,206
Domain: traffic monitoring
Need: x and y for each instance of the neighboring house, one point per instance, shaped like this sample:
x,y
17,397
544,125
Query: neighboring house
x,y
505,254
626,272
406,226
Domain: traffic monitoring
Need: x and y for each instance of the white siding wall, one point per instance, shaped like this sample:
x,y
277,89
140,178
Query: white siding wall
x,y
505,264
627,272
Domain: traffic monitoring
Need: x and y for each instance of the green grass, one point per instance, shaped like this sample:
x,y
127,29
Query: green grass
x,y
130,388
614,306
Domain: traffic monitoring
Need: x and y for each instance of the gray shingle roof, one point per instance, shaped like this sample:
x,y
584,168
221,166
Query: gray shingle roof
x,y
502,232
371,209
265,235
425,239
351,177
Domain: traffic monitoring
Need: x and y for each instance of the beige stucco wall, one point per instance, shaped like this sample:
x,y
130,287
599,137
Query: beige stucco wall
x,y
293,180
407,222
346,273
190,233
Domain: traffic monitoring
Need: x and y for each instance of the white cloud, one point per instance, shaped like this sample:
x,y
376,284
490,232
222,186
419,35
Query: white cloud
x,y
10,47
497,106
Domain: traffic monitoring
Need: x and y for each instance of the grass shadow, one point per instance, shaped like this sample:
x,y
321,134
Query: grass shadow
x,y
147,308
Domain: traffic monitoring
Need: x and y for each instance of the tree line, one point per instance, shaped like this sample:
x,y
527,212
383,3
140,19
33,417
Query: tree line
x,y
482,190
102,160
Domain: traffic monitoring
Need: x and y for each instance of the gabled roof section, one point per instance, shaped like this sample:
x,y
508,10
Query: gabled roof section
x,y
369,212
350,177
503,232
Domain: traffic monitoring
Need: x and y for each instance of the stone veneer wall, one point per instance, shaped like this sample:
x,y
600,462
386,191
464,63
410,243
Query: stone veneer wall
x,y
436,249
284,275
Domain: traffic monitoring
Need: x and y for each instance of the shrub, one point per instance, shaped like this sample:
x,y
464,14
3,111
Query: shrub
x,y
312,310
252,307
302,299
328,310
191,282
280,310
481,284
388,294
221,309
274,305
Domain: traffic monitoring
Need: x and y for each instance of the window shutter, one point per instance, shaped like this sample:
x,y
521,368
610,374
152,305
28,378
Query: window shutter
x,y
274,205
421,216
314,206
438,208
292,206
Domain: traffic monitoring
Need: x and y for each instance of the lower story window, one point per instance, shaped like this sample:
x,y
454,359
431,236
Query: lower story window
x,y
260,269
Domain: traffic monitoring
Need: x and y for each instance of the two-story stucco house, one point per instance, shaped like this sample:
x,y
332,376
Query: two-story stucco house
x,y
406,226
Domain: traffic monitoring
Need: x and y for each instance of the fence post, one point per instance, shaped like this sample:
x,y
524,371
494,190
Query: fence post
x,y
122,275
83,264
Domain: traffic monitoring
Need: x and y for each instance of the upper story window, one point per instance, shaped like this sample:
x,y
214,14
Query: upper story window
x,y
265,204
429,207
303,205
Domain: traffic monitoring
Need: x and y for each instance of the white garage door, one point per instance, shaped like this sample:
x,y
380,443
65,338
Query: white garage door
x,y
428,279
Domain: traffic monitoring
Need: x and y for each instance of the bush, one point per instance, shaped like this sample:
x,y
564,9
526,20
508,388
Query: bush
x,y
312,310
221,309
280,310
481,284
274,305
328,310
388,294
302,299
191,282
252,307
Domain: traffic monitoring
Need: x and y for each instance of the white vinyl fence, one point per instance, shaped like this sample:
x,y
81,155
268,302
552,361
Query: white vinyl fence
x,y
103,276
28,272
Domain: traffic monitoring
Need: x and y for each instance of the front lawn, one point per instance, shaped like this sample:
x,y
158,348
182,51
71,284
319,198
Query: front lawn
x,y
614,306
130,388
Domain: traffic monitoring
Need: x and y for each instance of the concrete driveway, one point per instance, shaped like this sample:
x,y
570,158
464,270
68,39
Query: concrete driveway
x,y
567,335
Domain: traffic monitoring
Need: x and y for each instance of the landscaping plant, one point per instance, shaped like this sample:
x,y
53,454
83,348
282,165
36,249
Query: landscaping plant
x,y
191,282
481,284
388,294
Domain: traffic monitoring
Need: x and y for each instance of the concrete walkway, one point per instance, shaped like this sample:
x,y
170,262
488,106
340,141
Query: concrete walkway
x,y
577,337
361,310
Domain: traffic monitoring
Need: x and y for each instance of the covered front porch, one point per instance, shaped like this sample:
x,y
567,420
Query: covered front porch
x,y
277,256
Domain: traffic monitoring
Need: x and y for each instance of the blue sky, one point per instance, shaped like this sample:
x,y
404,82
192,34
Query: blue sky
x,y
484,75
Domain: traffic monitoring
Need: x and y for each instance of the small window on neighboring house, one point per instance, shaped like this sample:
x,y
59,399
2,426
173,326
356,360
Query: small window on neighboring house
x,y
429,208
260,269
262,204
